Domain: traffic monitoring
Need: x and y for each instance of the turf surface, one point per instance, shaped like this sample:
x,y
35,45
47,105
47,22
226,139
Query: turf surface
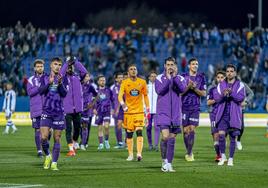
x,y
19,166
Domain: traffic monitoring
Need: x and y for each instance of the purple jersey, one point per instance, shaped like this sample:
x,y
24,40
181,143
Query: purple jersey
x,y
104,102
213,109
191,100
54,94
88,92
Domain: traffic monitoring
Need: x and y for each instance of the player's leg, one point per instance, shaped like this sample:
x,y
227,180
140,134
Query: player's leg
x,y
84,132
88,129
233,135
37,135
186,137
116,129
139,142
120,144
56,149
68,134
8,120
171,148
106,133
191,139
149,133
45,144
238,142
130,145
216,146
100,136
156,135
163,146
77,128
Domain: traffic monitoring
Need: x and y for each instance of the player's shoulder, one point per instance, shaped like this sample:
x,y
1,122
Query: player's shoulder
x,y
141,80
184,74
201,74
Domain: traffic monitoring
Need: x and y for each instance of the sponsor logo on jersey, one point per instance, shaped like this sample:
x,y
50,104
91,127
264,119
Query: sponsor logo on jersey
x,y
134,92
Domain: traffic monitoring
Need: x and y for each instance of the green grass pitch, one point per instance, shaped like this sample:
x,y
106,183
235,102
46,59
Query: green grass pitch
x,y
19,166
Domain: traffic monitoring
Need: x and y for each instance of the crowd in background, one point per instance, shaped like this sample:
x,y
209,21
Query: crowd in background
x,y
109,50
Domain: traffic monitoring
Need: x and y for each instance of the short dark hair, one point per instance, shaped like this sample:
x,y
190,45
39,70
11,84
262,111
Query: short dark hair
x,y
100,76
39,61
192,59
220,72
171,59
131,65
231,66
117,74
58,59
152,72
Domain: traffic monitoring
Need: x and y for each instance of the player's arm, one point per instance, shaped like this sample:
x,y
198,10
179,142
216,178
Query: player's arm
x,y
63,70
80,67
120,96
44,85
161,85
180,84
62,88
202,90
31,89
240,95
13,102
4,103
219,94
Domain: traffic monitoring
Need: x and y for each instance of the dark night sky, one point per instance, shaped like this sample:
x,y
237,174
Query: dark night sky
x,y
59,13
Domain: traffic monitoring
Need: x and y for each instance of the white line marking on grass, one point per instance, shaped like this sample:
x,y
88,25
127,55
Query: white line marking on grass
x,y
14,185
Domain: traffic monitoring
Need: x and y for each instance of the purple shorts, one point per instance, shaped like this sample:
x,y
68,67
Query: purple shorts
x,y
104,117
172,129
54,122
213,127
190,117
36,122
223,124
85,118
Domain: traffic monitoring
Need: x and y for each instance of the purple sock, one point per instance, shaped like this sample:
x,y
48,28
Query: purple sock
x,y
106,137
232,147
170,149
156,135
149,133
119,132
100,139
163,148
38,140
56,152
116,130
222,143
217,149
185,139
45,146
84,136
190,142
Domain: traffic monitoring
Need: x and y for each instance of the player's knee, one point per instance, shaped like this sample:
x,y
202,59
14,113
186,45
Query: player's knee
x,y
129,135
234,133
139,133
221,137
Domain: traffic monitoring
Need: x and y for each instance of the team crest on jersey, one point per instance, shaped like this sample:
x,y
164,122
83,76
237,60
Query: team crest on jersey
x,y
102,96
134,92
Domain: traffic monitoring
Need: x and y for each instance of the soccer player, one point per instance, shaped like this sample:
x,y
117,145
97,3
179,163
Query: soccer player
x,y
103,110
73,103
9,107
169,86
53,87
230,95
196,88
152,100
119,113
133,92
220,76
245,103
86,116
36,101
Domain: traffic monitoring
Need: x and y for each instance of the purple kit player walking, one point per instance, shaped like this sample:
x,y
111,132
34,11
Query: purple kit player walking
x,y
213,107
119,113
54,90
86,116
36,101
230,95
73,102
196,87
169,86
152,95
103,109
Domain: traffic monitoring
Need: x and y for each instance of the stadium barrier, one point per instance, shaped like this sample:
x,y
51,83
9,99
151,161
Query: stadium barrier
x,y
251,120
